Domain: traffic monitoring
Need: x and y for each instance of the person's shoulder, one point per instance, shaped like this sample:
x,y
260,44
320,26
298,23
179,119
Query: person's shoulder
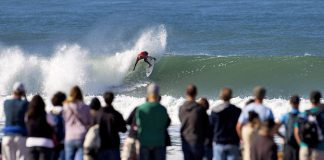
x,y
162,106
283,118
235,107
116,111
143,106
7,102
118,114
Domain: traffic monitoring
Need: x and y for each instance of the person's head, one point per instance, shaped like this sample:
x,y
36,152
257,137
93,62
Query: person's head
x,y
144,52
203,102
249,102
294,101
109,98
18,90
315,97
58,99
225,94
76,94
153,93
36,107
95,104
191,92
259,93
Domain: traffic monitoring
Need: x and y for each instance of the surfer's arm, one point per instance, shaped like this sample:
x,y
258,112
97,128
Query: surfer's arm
x,y
151,57
135,64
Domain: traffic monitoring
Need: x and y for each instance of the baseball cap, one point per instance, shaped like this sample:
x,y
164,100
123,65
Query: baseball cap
x,y
18,87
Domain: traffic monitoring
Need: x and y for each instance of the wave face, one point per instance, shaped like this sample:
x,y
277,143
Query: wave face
x,y
282,75
71,64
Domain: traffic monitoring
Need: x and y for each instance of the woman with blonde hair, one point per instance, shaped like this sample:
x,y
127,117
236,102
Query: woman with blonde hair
x,y
77,119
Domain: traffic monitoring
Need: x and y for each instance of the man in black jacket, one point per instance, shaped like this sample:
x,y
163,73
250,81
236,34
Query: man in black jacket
x,y
111,122
223,120
194,126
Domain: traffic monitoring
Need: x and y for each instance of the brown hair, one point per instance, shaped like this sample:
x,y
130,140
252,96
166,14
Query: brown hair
x,y
36,107
191,90
226,94
75,94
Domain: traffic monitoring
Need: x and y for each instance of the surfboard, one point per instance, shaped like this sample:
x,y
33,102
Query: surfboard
x,y
149,70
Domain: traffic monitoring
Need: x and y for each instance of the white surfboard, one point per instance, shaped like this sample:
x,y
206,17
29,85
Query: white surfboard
x,y
149,70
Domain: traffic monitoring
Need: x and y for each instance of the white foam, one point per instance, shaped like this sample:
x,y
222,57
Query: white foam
x,y
125,104
72,64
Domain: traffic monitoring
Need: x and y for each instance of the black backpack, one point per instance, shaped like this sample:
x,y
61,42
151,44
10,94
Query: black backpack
x,y
311,128
289,136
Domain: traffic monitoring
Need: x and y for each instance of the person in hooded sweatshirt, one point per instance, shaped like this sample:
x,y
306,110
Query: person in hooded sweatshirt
x,y
77,120
223,119
111,122
194,126
40,130
57,114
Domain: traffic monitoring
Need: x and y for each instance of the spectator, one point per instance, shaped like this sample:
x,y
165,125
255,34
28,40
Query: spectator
x,y
95,106
77,120
152,120
248,131
249,102
224,118
263,112
91,142
208,155
309,130
57,114
15,132
131,144
263,146
291,147
111,122
194,126
40,132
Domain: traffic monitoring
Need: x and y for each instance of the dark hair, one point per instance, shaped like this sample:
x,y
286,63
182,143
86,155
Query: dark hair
x,y
295,100
58,99
249,101
191,90
36,107
204,103
252,116
76,94
315,97
225,94
109,97
95,104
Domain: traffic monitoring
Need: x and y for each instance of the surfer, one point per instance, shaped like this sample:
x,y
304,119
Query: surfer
x,y
143,55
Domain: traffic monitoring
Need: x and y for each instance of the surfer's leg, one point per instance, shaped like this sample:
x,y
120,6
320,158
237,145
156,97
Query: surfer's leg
x,y
145,60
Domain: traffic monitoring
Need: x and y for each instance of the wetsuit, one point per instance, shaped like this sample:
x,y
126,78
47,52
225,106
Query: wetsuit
x,y
142,55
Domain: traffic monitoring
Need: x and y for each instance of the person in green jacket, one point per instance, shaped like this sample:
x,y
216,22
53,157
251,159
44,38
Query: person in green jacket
x,y
152,120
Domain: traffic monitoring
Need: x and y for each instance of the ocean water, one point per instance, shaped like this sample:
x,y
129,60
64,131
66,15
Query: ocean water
x,y
53,45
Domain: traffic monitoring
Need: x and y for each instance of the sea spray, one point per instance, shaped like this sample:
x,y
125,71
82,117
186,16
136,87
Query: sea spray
x,y
72,64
